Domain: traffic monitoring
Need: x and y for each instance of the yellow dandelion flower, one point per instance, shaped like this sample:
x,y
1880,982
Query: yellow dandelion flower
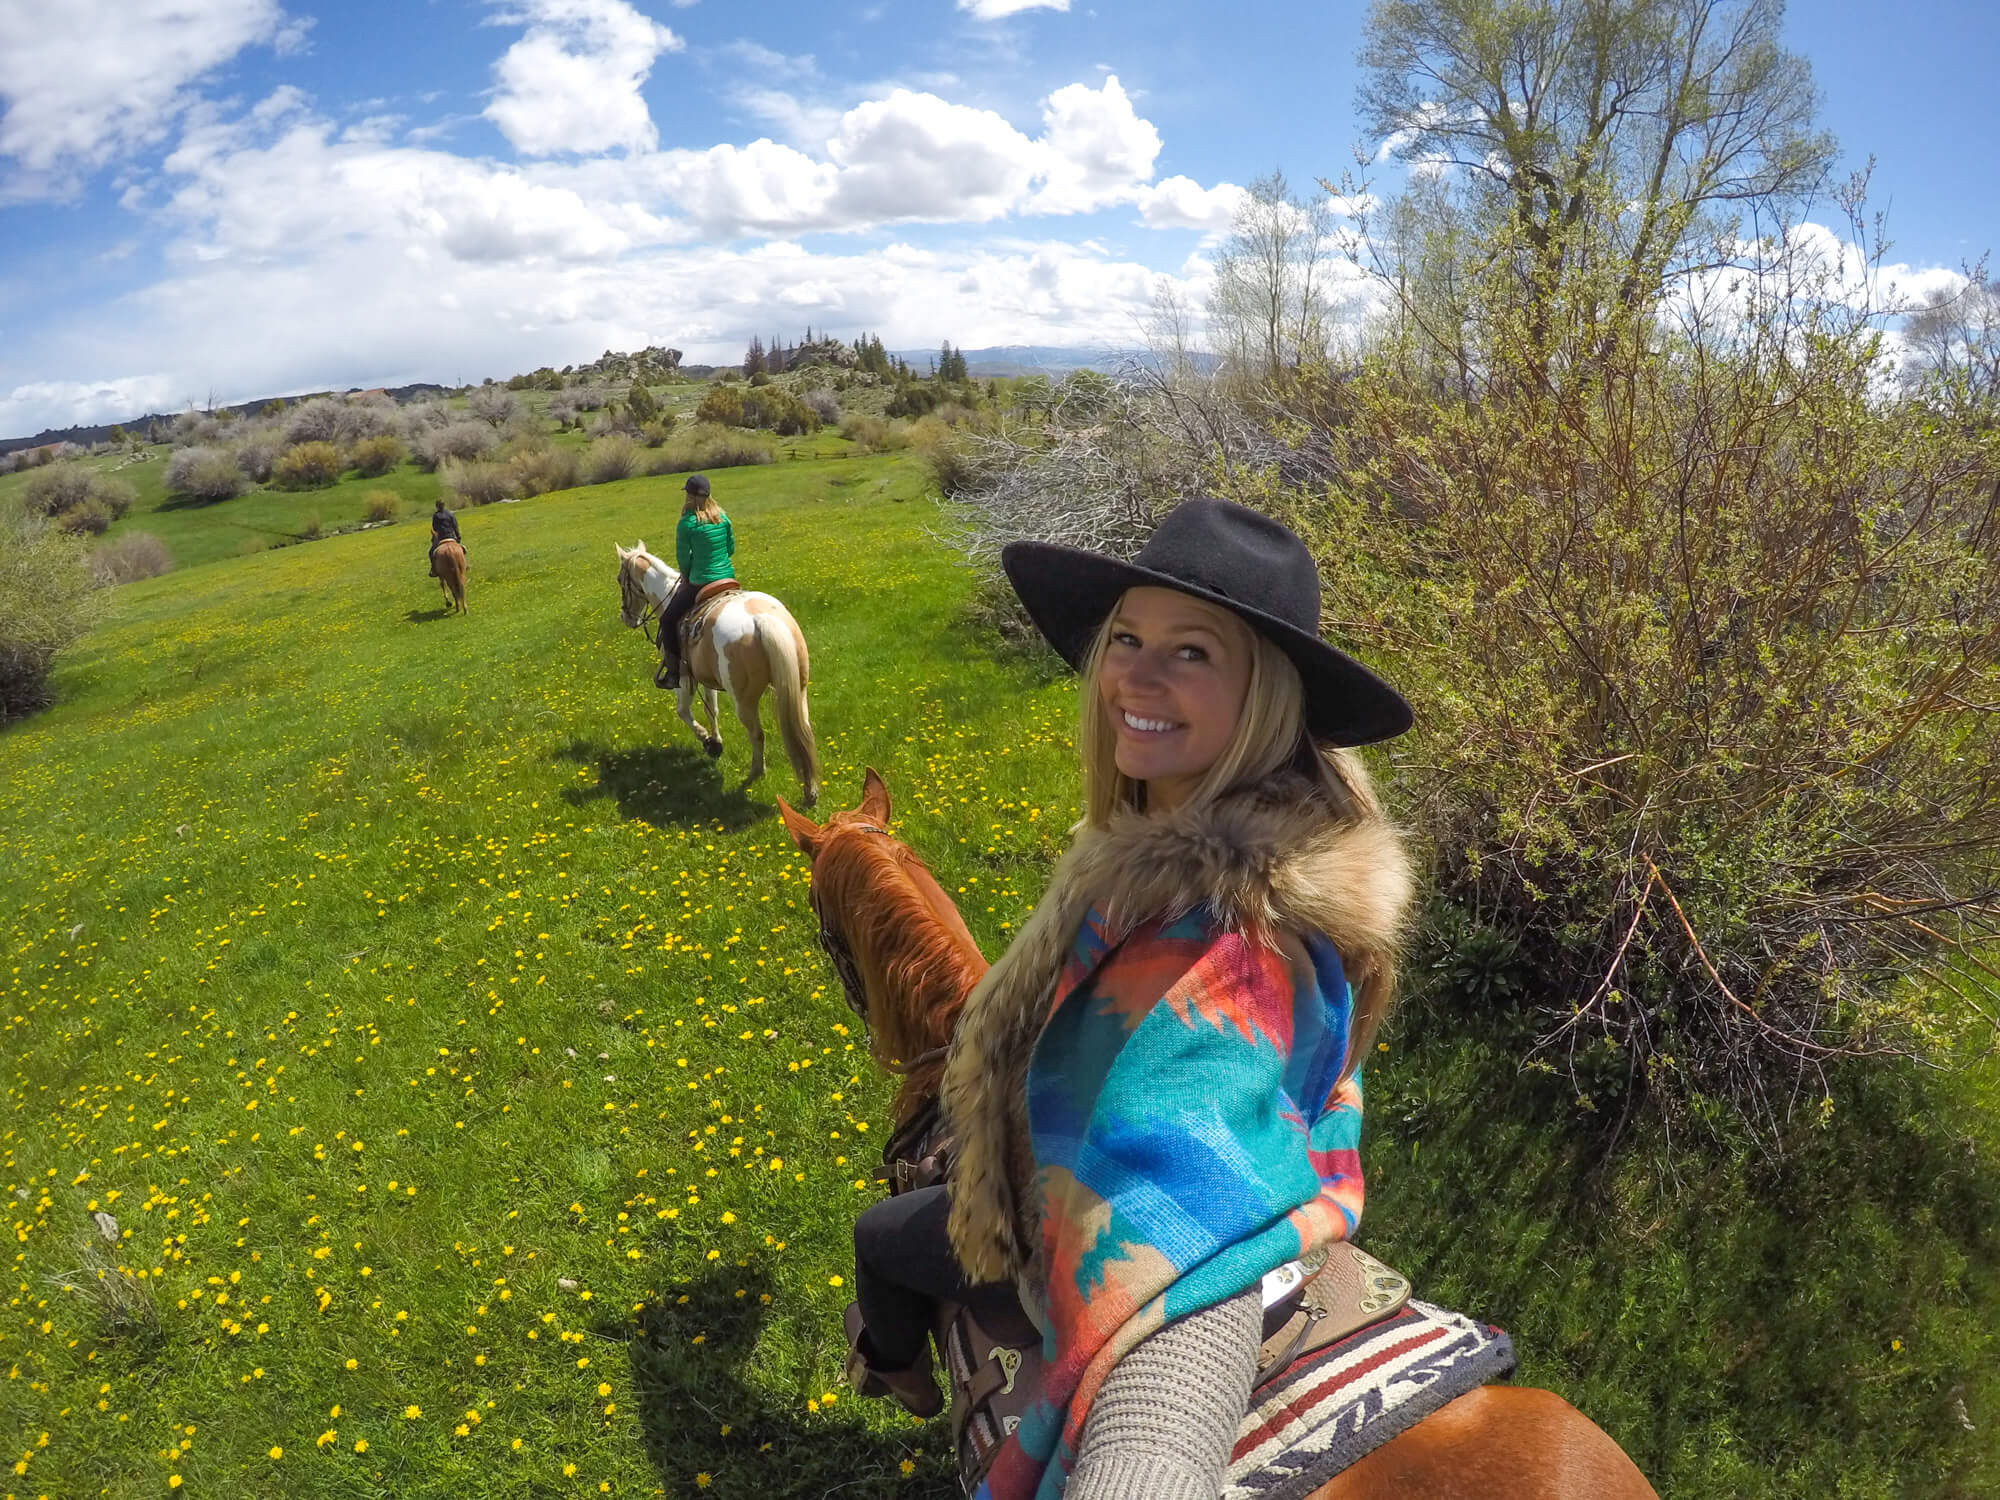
x,y
412,1412
277,1452
361,1445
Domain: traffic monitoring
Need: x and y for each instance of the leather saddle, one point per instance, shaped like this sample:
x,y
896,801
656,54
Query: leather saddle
x,y
705,603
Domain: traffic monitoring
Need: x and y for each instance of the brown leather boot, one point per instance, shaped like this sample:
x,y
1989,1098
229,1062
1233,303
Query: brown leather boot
x,y
914,1389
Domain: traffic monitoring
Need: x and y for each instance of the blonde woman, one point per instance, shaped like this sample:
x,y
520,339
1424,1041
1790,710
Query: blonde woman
x,y
704,546
1155,1092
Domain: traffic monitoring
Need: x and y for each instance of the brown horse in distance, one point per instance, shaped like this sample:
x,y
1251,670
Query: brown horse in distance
x,y
449,564
907,962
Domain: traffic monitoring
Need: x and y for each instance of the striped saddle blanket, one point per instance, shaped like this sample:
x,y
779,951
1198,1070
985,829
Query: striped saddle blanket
x,y
1340,1403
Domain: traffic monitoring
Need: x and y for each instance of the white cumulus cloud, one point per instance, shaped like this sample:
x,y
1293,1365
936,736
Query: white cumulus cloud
x,y
994,10
571,84
86,80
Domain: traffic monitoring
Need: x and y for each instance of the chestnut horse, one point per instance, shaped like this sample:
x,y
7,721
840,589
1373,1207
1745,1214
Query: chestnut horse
x,y
907,962
448,564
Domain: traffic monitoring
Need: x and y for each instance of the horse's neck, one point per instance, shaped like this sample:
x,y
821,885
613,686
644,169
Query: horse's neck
x,y
658,580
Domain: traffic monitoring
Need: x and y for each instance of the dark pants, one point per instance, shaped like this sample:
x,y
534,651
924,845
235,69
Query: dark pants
x,y
904,1266
679,602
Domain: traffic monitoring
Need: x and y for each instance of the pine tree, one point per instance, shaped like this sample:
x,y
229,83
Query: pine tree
x,y
753,360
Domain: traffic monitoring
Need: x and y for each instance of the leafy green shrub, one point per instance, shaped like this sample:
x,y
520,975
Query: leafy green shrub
x,y
1702,641
708,446
873,434
307,466
640,403
57,488
45,589
87,519
129,557
473,481
779,410
204,474
380,505
610,459
115,495
722,405
913,399
540,470
375,456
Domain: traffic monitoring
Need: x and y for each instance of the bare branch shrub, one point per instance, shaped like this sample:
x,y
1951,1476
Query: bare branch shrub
x,y
539,470
57,488
471,481
610,459
823,403
129,557
193,426
316,421
494,405
378,506
257,451
874,434
204,474
459,440
365,417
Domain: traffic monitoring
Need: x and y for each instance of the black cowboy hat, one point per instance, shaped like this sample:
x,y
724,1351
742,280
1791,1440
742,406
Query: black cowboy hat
x,y
1229,556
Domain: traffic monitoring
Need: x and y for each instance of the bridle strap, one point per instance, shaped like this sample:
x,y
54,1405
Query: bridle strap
x,y
834,945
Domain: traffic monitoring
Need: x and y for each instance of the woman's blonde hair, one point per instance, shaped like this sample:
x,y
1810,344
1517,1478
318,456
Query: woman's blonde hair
x,y
1270,735
703,508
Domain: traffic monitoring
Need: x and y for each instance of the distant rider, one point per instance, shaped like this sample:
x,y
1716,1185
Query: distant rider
x,y
444,527
703,547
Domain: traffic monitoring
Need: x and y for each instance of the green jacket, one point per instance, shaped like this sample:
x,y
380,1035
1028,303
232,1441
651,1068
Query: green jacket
x,y
702,550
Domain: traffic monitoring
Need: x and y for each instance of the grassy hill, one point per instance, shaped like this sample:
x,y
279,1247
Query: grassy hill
x,y
446,1038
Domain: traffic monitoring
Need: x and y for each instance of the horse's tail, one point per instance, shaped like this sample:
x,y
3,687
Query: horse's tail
x,y
454,573
785,651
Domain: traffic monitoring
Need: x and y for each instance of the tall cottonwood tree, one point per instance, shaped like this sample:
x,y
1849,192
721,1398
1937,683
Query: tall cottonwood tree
x,y
1626,134
1270,311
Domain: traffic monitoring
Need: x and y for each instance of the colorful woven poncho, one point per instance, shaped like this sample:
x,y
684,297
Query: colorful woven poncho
x,y
1191,1132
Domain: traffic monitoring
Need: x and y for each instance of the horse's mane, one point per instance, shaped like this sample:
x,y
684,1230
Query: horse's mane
x,y
916,966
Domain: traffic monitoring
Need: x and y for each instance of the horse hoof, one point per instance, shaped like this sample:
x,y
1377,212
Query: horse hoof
x,y
714,749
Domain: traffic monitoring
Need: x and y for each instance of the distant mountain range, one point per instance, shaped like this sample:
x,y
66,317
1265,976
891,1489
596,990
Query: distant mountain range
x,y
85,436
1026,359
1053,360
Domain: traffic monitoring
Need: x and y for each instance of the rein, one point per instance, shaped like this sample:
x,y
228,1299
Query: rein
x,y
650,612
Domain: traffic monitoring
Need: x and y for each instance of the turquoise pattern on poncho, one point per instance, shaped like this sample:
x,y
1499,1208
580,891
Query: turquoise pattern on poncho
x,y
1191,1132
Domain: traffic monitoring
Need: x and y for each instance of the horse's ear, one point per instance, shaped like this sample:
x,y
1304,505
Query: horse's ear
x,y
875,797
803,830
641,547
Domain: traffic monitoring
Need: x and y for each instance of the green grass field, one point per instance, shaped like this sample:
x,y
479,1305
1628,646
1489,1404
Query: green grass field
x,y
446,1036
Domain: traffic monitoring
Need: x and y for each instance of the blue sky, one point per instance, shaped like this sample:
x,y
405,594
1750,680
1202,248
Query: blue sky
x,y
231,198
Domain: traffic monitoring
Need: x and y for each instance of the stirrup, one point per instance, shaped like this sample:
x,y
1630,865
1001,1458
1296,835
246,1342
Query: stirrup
x,y
913,1389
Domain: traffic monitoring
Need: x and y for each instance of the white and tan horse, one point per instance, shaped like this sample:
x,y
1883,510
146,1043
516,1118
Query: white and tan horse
x,y
750,643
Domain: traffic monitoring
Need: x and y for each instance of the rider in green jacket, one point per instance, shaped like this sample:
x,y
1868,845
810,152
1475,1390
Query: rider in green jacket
x,y
704,545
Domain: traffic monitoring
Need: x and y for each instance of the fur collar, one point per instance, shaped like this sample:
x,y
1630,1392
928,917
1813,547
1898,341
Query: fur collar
x,y
1270,861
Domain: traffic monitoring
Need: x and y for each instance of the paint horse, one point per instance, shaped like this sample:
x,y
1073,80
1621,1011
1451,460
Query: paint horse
x,y
448,566
907,963
740,643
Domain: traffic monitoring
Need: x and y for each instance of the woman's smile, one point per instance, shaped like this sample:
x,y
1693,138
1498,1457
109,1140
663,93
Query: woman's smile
x,y
1173,677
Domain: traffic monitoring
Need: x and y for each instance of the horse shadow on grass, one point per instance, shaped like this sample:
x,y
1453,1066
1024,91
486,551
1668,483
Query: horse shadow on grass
x,y
425,616
661,785
699,1414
